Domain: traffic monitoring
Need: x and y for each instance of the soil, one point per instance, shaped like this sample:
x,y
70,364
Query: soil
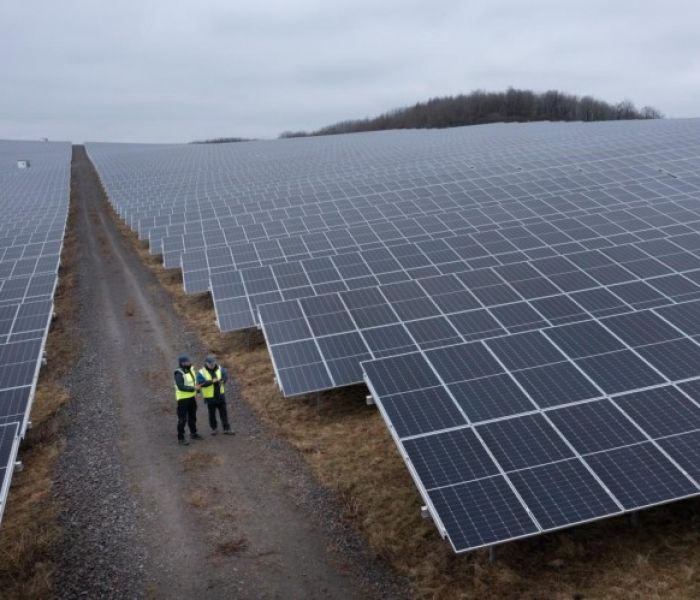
x,y
226,517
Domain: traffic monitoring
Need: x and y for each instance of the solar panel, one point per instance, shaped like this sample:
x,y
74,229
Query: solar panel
x,y
423,325
641,475
567,457
500,514
34,204
562,494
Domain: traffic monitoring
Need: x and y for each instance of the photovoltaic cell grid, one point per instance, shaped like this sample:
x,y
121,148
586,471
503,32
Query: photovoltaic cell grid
x,y
422,174
318,342
381,232
34,204
528,433
237,294
530,211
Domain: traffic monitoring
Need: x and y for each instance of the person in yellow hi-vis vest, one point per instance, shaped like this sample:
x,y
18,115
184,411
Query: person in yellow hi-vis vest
x,y
211,379
186,390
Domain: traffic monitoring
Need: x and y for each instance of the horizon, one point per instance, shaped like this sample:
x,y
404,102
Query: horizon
x,y
278,139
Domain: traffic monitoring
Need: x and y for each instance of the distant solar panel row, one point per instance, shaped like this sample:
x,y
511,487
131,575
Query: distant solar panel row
x,y
429,210
431,200
521,300
475,179
165,180
34,204
428,219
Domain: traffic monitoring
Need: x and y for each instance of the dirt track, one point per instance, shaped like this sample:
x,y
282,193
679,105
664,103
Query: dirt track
x,y
234,517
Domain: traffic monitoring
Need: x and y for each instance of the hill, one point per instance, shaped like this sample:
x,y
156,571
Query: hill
x,y
481,107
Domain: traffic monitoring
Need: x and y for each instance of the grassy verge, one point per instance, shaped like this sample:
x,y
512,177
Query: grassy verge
x,y
30,526
350,450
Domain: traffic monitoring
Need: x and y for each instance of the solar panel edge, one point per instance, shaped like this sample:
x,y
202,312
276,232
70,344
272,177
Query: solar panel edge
x,y
13,430
35,379
8,429
404,456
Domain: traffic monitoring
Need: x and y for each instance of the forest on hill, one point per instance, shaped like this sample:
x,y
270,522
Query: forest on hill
x,y
481,107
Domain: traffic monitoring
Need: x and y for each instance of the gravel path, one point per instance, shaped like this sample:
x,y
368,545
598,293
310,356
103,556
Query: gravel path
x,y
101,541
228,517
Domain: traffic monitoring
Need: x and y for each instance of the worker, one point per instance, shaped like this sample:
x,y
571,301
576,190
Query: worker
x,y
186,389
212,378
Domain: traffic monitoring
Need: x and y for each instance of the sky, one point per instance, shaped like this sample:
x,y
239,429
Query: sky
x,y
180,70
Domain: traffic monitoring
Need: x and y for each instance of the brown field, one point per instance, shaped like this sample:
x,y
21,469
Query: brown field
x,y
351,452
29,527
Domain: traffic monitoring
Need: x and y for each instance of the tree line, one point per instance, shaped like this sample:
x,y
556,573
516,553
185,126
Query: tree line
x,y
222,140
481,107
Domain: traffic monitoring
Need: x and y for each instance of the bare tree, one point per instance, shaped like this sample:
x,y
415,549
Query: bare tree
x,y
649,112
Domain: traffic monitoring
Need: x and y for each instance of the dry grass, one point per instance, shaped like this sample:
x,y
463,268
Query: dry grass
x,y
350,450
129,308
197,460
29,528
199,498
232,547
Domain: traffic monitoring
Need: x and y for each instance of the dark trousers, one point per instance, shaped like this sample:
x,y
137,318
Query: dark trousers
x,y
220,405
186,413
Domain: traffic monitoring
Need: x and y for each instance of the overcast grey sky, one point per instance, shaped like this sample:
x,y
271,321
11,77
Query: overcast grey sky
x,y
140,70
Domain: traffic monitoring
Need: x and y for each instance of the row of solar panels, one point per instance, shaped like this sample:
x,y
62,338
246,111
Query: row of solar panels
x,y
405,203
563,261
363,161
34,204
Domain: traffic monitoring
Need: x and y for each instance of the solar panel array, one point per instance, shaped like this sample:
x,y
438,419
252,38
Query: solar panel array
x,y
532,432
499,289
34,205
318,342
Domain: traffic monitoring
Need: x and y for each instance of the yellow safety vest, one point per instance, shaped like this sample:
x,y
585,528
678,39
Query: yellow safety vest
x,y
208,392
189,378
